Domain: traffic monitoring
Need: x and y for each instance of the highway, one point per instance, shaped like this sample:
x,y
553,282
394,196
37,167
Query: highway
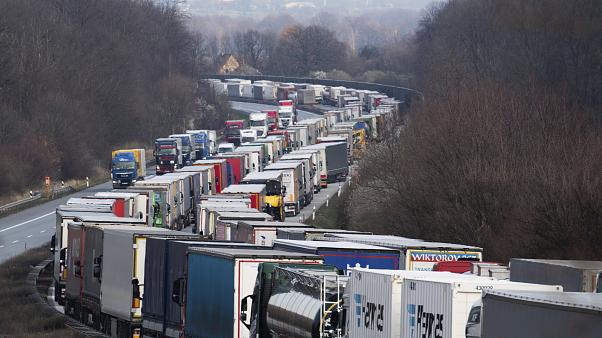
x,y
35,226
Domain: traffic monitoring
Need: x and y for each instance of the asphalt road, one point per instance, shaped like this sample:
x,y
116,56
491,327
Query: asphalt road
x,y
35,226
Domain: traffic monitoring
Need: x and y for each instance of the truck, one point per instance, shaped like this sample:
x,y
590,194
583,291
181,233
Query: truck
x,y
260,149
228,220
274,194
344,255
316,160
278,297
164,270
574,276
273,119
190,195
336,164
255,157
220,167
201,143
204,180
225,148
232,131
286,139
256,192
307,176
440,307
127,166
530,314
188,148
208,213
248,135
292,181
415,254
166,201
260,232
286,113
236,163
112,276
59,242
211,139
168,155
259,122
303,131
212,300
310,166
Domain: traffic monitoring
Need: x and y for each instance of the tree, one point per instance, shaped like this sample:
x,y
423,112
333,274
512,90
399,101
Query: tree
x,y
254,47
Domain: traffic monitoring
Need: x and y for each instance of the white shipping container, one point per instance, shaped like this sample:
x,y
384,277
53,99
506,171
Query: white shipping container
x,y
376,300
440,307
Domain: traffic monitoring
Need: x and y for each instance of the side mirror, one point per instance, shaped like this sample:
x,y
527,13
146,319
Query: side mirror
x,y
53,244
284,190
177,292
244,308
62,255
97,267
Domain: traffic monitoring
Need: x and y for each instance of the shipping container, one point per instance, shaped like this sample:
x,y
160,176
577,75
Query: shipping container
x,y
213,299
259,232
574,276
523,314
165,268
415,254
344,255
440,307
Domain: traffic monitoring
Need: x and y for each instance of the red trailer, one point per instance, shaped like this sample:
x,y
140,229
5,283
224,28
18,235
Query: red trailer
x,y
237,163
221,172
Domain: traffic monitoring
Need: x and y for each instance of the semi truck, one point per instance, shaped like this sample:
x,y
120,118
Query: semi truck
x,y
275,191
292,180
166,201
188,148
212,300
168,155
127,166
256,192
109,268
286,113
232,131
282,306
201,143
273,119
259,122
336,166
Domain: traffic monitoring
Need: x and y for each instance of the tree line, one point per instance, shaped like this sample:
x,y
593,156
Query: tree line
x,y
505,151
79,78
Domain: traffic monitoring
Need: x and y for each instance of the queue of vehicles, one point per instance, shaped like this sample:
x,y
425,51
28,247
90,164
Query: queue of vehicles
x,y
206,250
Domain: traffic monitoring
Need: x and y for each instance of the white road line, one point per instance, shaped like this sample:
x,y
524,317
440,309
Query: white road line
x,y
23,223
29,236
15,241
43,231
1,246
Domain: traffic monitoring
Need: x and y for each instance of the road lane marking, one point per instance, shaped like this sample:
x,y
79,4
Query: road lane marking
x,y
43,231
31,220
1,246
29,236
15,241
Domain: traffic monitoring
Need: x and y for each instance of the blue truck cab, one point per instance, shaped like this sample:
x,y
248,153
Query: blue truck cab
x,y
127,166
188,148
201,142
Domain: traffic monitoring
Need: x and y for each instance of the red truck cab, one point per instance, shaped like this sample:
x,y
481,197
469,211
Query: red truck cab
x,y
273,119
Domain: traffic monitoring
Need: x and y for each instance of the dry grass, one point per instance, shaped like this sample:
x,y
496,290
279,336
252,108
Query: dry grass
x,y
19,315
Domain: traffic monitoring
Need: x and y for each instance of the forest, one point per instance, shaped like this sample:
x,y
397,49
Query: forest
x,y
79,78
504,152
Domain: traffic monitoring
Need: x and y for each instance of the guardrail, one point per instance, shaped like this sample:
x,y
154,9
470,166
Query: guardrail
x,y
16,204
407,95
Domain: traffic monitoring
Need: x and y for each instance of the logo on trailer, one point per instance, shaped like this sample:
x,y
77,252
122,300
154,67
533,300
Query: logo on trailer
x,y
424,324
368,314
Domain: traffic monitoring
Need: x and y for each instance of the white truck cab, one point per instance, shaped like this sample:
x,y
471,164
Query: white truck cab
x,y
259,122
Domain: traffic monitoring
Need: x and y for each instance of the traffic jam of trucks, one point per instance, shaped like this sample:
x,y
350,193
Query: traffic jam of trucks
x,y
211,247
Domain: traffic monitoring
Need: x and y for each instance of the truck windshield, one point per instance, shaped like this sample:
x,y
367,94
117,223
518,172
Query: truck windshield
x,y
273,188
166,151
259,123
248,139
285,114
124,165
233,132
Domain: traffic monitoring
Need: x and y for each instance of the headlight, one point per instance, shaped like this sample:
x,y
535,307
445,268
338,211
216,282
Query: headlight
x,y
114,181
172,162
133,181
157,167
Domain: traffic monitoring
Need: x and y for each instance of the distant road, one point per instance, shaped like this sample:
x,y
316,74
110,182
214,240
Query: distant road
x,y
35,226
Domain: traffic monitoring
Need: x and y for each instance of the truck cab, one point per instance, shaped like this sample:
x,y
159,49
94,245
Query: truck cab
x,y
286,113
259,122
201,143
168,154
248,135
127,166
188,148
225,148
273,119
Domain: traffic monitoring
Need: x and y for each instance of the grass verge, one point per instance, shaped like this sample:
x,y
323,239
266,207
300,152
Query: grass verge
x,y
328,217
20,316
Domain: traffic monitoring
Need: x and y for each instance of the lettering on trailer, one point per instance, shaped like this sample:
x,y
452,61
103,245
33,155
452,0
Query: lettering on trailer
x,y
424,324
424,260
368,314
